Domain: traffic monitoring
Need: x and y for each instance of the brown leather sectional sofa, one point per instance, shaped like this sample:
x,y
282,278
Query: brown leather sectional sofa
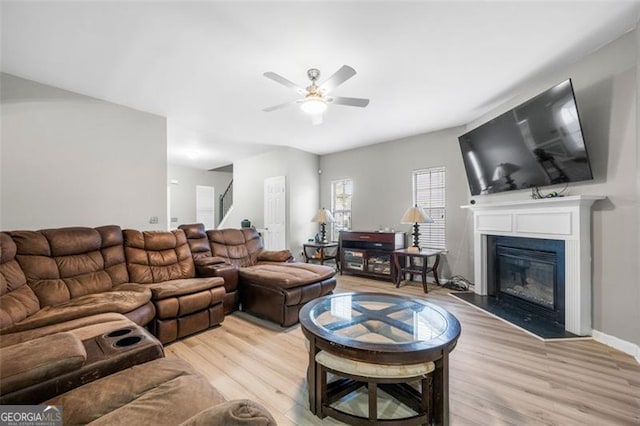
x,y
58,275
73,306
84,313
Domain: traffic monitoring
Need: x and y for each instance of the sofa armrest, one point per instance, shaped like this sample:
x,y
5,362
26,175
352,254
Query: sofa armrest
x,y
210,260
275,256
37,360
183,287
233,413
207,266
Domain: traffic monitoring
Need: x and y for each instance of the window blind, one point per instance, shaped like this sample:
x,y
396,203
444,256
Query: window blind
x,y
341,195
429,193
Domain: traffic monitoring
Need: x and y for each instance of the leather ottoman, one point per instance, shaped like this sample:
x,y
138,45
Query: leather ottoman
x,y
277,291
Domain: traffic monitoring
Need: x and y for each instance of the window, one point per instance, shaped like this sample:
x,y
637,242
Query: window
x,y
341,194
429,193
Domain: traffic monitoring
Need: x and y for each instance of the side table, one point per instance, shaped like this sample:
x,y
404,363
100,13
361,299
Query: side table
x,y
404,262
321,252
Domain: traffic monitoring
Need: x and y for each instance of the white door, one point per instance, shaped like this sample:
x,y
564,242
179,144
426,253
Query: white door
x,y
206,206
275,213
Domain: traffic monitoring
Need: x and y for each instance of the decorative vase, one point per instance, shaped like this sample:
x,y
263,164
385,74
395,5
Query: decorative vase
x,y
246,223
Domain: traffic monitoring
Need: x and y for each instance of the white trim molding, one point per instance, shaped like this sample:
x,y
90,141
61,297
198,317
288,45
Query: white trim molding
x,y
561,218
223,222
617,343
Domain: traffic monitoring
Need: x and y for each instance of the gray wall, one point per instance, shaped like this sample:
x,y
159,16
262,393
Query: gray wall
x,y
607,90
300,169
606,87
72,160
382,187
182,203
637,295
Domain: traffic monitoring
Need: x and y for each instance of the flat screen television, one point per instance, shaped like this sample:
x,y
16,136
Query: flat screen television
x,y
535,144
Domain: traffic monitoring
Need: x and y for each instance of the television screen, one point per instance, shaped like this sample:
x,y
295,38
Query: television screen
x,y
535,144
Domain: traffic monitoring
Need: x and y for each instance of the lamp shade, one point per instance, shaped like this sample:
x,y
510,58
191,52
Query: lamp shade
x,y
323,216
416,214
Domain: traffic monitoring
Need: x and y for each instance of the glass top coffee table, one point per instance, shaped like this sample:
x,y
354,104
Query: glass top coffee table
x,y
381,329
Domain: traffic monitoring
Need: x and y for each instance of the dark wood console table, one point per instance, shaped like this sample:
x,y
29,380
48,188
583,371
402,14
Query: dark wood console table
x,y
369,253
404,262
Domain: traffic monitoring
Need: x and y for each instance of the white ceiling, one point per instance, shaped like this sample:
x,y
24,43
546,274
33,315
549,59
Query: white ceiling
x,y
425,65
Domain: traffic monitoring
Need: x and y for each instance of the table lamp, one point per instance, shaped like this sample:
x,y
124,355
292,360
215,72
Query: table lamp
x,y
415,215
323,217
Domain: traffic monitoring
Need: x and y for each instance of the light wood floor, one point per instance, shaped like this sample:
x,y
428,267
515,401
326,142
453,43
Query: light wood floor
x,y
499,375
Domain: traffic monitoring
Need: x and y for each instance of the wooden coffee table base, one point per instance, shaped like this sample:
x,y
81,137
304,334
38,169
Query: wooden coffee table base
x,y
342,330
419,402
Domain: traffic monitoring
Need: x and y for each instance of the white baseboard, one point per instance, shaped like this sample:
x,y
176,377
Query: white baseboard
x,y
617,343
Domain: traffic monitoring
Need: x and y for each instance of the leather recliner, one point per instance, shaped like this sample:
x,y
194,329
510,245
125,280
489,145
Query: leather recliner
x,y
209,266
270,285
161,260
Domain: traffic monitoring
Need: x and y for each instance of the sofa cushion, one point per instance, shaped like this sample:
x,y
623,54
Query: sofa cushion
x,y
166,289
274,256
122,299
287,275
197,239
11,276
160,392
17,300
155,256
16,306
240,246
65,263
233,413
38,360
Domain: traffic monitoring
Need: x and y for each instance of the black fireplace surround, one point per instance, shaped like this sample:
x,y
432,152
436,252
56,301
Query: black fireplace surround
x,y
528,274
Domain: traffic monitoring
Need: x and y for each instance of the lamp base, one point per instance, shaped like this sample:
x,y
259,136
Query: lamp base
x,y
416,238
413,249
323,233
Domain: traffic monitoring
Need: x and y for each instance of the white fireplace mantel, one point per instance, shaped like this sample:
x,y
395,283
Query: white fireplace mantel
x,y
560,218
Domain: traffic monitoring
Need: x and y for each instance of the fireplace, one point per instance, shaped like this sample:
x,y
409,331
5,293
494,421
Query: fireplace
x,y
566,219
528,274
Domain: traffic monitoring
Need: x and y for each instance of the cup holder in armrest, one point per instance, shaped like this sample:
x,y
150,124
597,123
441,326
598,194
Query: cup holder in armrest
x,y
120,332
127,341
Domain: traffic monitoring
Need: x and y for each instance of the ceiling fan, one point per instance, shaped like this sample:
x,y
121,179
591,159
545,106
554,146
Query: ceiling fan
x,y
316,96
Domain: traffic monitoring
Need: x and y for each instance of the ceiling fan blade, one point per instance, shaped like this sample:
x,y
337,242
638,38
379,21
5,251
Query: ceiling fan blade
x,y
356,102
280,79
340,76
280,106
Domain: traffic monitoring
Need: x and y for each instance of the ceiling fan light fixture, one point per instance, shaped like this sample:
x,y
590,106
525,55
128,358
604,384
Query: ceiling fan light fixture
x,y
316,97
313,104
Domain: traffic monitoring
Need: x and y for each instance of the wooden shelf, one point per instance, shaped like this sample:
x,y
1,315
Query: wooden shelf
x,y
369,253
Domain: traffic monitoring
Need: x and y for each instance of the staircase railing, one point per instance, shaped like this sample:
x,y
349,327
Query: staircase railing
x,y
226,200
